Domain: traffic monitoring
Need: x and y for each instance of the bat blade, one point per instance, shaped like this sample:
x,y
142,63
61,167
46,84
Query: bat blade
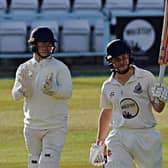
x,y
163,54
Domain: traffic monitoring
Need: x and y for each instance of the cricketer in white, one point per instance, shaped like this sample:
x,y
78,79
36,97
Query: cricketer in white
x,y
45,84
126,102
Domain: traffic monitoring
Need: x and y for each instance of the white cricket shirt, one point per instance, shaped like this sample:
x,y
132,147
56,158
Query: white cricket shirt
x,y
40,110
130,103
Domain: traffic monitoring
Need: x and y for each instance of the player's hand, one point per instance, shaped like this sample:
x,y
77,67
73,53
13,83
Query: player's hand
x,y
49,87
97,155
160,91
25,78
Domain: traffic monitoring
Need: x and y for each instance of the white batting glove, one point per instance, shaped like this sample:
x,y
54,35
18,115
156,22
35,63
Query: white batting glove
x,y
25,78
97,155
160,91
49,87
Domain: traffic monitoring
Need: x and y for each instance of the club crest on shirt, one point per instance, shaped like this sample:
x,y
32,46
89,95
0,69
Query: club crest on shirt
x,y
129,108
111,94
138,88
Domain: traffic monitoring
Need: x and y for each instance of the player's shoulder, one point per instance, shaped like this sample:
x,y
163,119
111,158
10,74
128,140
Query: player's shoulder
x,y
108,81
143,72
107,84
25,64
59,64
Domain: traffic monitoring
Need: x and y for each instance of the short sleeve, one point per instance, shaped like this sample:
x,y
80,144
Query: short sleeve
x,y
104,101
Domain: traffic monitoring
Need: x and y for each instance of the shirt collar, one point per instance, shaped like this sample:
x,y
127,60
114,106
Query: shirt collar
x,y
137,74
43,61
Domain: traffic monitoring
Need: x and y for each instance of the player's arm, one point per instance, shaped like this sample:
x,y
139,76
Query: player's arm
x,y
105,116
64,89
103,124
97,149
158,105
160,97
23,83
59,86
18,90
155,92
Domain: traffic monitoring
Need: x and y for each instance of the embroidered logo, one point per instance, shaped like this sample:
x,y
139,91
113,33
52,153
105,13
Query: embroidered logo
x,y
111,94
138,88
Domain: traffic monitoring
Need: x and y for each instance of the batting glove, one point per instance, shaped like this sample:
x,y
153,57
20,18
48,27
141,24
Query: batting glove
x,y
49,87
97,155
160,91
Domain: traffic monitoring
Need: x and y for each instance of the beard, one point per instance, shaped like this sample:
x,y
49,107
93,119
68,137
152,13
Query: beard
x,y
123,71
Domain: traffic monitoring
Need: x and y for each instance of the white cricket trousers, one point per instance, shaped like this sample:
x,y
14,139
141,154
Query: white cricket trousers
x,y
44,147
144,146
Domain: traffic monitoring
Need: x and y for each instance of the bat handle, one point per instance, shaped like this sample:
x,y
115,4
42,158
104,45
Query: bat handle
x,y
162,73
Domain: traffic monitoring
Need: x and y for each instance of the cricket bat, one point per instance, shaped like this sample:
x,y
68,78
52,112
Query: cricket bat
x,y
163,54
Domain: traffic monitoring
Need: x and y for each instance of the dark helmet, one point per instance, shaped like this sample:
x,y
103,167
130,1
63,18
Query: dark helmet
x,y
41,34
116,48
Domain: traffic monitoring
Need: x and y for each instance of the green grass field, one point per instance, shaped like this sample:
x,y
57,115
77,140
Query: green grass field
x,y
82,124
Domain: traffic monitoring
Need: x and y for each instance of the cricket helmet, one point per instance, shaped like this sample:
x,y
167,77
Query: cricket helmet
x,y
116,48
41,34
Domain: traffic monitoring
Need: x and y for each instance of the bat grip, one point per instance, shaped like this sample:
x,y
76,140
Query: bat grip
x,y
162,73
